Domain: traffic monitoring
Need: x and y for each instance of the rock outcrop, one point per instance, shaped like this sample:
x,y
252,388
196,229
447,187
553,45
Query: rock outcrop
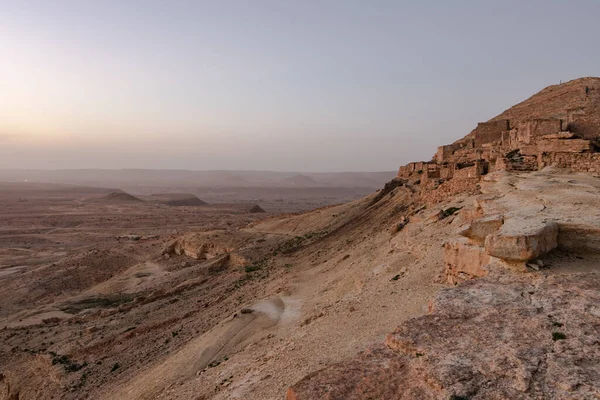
x,y
504,336
199,247
521,240
507,330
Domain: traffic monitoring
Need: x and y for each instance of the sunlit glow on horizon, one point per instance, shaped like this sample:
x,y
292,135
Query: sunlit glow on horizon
x,y
269,85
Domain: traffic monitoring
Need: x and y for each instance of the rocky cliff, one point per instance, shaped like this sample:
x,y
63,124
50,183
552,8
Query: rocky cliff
x,y
522,321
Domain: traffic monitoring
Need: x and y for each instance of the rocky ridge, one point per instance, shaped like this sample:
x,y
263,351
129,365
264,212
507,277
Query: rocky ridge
x,y
523,320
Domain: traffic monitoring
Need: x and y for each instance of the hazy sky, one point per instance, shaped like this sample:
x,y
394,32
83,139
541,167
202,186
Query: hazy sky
x,y
278,85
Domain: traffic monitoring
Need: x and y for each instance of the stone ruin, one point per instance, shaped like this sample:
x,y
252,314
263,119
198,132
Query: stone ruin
x,y
510,145
560,132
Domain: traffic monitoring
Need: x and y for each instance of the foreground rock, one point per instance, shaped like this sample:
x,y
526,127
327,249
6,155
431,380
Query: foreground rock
x,y
501,337
522,240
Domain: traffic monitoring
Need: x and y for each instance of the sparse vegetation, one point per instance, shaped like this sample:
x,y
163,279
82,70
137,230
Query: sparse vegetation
x,y
216,363
401,225
295,243
558,336
96,302
67,364
450,211
115,367
252,268
257,266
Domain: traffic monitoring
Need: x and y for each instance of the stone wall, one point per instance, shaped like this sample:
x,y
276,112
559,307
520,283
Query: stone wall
x,y
558,146
529,132
541,127
431,171
447,171
585,124
577,162
411,168
471,172
528,146
487,132
434,193
444,153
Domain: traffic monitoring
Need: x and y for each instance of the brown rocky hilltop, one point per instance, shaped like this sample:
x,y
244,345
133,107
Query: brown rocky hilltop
x,y
524,323
558,126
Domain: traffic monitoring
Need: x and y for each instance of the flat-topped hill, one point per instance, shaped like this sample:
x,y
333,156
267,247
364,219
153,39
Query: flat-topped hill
x,y
178,199
117,197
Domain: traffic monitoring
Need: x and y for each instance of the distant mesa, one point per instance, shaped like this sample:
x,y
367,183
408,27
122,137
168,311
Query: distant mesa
x,y
117,197
179,199
256,209
301,181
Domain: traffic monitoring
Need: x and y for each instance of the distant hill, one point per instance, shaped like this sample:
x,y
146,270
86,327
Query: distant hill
x,y
256,209
117,197
178,199
300,180
139,178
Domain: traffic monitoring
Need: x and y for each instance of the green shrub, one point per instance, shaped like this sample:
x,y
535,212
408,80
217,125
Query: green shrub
x,y
450,211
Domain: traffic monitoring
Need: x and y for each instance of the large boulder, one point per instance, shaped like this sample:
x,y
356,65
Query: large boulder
x,y
480,228
521,240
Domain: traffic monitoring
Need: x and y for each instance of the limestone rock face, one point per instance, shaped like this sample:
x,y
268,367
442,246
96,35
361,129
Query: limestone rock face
x,y
197,247
505,336
480,228
464,260
579,237
521,240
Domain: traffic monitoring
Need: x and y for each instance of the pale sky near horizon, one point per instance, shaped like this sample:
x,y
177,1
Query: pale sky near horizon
x,y
272,85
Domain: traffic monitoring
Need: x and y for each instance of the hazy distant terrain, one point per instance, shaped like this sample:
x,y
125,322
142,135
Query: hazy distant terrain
x,y
170,178
273,191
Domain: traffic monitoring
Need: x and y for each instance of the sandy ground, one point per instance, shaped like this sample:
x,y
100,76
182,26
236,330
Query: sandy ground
x,y
111,317
87,315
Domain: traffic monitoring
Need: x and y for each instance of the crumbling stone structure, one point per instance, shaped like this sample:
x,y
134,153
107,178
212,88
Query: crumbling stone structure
x,y
567,139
